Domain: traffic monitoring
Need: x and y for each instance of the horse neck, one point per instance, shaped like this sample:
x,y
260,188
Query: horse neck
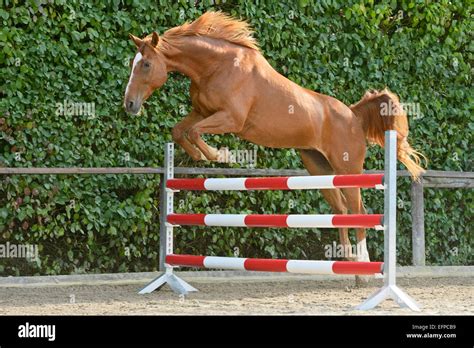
x,y
193,56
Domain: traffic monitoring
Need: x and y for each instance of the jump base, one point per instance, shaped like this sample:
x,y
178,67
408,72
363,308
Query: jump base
x,y
177,284
386,292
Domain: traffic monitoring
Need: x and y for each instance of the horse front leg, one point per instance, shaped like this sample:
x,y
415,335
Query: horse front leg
x,y
218,123
179,135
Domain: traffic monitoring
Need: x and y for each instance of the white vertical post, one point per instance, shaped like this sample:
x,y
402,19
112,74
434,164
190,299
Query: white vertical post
x,y
166,234
390,208
390,288
166,229
418,223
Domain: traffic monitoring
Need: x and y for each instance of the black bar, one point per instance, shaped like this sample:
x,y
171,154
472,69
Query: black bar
x,y
223,330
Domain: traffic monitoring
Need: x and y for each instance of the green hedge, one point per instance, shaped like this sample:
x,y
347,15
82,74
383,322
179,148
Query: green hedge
x,y
58,51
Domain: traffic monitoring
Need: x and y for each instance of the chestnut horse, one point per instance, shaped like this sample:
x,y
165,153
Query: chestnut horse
x,y
235,90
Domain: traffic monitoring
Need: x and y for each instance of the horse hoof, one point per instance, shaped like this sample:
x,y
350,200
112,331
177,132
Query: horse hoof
x,y
361,281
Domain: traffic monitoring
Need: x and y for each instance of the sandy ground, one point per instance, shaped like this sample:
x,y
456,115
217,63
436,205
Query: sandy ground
x,y
454,295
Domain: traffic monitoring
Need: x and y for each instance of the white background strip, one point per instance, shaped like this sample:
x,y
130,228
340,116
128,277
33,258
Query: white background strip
x,y
310,267
309,220
225,184
225,262
225,219
310,182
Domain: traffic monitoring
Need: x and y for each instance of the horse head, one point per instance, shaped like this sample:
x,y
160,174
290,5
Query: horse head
x,y
148,72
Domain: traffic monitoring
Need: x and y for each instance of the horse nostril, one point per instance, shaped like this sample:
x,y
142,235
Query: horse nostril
x,y
130,104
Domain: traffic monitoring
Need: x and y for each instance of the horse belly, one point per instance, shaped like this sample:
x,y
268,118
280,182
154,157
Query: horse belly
x,y
279,132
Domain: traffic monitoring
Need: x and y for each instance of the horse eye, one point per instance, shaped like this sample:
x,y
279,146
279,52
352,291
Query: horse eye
x,y
146,64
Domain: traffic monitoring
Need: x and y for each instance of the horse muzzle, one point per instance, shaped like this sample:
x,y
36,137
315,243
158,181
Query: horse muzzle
x,y
132,106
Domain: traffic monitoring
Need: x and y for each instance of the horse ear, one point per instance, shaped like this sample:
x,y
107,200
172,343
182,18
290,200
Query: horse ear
x,y
137,41
154,39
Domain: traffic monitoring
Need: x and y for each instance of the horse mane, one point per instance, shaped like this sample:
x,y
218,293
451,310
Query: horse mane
x,y
217,25
371,102
375,123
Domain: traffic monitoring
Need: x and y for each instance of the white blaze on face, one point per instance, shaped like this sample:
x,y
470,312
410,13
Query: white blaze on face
x,y
137,58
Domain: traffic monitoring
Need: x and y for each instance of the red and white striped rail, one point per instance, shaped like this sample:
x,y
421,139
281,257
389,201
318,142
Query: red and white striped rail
x,y
276,265
304,221
279,183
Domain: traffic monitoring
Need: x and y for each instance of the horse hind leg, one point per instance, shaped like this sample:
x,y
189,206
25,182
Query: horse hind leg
x,y
353,197
356,206
317,164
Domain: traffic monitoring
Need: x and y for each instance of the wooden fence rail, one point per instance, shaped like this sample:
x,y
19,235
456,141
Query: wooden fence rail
x,y
432,178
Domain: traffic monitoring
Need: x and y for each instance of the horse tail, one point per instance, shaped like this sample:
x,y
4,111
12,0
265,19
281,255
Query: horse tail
x,y
380,111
